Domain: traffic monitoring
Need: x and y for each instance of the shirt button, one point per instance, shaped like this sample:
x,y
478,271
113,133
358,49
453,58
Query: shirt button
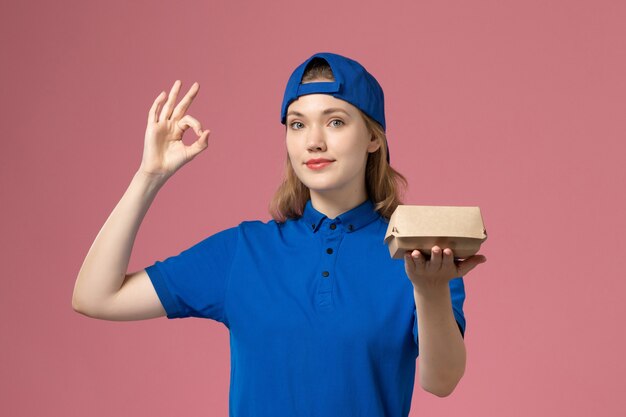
x,y
313,226
329,251
333,226
351,227
325,274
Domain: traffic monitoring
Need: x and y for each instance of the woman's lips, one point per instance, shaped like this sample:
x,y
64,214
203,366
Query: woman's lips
x,y
319,165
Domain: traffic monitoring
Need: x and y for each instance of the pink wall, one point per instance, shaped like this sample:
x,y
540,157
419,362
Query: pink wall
x,y
517,107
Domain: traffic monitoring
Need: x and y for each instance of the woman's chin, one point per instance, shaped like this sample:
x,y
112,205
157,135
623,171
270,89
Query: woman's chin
x,y
319,186
323,190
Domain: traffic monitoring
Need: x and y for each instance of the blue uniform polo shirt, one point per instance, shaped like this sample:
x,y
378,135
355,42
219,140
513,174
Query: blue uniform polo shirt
x,y
322,320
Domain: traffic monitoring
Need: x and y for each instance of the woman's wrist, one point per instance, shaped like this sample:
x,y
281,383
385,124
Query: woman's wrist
x,y
149,181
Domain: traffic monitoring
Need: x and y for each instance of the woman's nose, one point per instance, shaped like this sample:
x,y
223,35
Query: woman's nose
x,y
315,139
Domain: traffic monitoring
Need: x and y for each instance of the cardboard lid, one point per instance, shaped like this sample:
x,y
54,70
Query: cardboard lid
x,y
443,221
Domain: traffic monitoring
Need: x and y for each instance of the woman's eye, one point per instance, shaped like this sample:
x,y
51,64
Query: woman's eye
x,y
296,125
336,122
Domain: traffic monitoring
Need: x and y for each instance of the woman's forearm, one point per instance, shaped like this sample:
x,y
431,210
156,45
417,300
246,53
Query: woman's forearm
x,y
441,347
105,266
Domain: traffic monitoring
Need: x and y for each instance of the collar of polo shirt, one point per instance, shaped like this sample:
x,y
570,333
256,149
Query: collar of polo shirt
x,y
351,220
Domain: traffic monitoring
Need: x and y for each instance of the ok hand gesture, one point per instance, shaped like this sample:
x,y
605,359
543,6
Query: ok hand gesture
x,y
164,151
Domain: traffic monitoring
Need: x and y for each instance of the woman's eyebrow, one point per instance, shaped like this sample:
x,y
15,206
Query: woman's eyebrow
x,y
325,112
335,110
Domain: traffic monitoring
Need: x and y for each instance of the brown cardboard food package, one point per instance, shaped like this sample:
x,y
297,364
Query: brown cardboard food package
x,y
422,227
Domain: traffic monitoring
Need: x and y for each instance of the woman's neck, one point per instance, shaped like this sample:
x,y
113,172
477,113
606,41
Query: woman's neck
x,y
332,204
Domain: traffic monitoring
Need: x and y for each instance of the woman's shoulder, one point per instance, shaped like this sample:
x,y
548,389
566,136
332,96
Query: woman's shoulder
x,y
270,225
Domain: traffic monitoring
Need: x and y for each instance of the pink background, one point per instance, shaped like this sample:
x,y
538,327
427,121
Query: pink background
x,y
514,106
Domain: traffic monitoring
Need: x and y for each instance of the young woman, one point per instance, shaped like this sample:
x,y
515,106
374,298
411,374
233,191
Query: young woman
x,y
322,321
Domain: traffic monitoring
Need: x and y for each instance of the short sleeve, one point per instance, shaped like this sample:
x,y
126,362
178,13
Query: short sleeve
x,y
457,292
194,282
457,295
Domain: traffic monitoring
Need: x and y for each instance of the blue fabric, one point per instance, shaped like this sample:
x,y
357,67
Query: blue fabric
x,y
322,320
352,84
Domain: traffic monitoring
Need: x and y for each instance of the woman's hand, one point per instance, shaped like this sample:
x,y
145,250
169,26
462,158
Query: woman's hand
x,y
164,151
439,270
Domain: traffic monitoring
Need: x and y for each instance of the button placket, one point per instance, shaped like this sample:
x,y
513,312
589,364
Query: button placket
x,y
332,235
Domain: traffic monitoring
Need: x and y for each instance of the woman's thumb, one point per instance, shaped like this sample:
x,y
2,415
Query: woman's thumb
x,y
200,144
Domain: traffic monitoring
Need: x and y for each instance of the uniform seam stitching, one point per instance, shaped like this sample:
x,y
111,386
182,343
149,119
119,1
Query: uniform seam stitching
x,y
228,279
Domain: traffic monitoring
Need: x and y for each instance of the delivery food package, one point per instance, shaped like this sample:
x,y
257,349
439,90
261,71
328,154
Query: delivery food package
x,y
422,227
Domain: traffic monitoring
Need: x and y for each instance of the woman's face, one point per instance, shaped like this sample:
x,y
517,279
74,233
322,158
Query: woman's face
x,y
320,126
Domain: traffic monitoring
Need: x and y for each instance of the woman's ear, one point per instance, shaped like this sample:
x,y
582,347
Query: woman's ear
x,y
374,144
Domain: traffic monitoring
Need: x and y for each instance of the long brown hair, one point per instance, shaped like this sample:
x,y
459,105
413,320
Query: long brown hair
x,y
384,185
